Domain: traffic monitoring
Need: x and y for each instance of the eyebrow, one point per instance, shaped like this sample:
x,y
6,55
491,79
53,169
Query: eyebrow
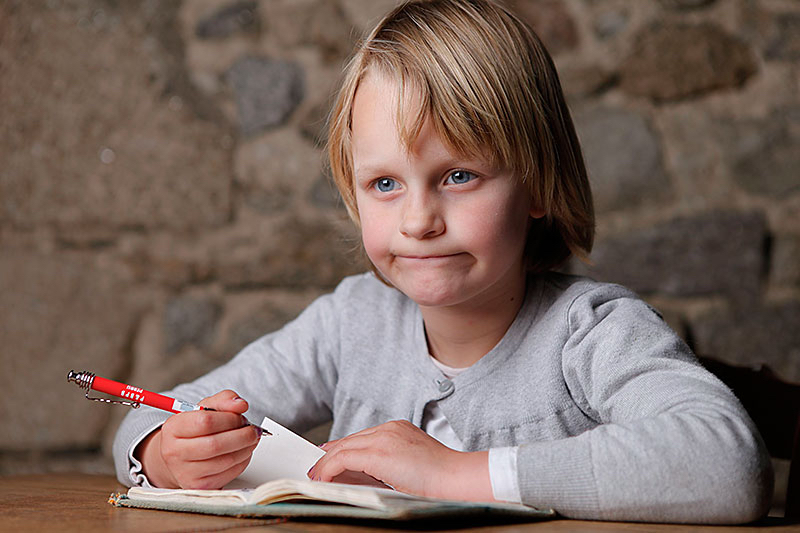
x,y
369,170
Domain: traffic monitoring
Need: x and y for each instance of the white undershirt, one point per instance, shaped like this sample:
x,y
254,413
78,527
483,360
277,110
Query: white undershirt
x,y
502,461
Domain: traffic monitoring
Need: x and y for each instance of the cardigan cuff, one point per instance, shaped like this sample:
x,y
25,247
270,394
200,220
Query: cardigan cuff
x,y
128,437
559,471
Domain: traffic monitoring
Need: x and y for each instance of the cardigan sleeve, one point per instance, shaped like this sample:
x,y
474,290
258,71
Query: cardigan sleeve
x,y
673,443
289,375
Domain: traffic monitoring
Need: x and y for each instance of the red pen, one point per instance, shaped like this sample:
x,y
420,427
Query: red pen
x,y
136,396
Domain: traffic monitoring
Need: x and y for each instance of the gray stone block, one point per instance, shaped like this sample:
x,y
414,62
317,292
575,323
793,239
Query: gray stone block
x,y
715,252
674,60
237,17
610,21
623,157
266,92
784,42
686,4
190,320
765,334
764,155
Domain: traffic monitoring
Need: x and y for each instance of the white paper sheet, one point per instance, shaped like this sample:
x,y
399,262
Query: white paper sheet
x,y
285,454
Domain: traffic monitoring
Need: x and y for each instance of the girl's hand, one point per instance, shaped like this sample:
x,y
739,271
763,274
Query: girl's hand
x,y
403,456
200,449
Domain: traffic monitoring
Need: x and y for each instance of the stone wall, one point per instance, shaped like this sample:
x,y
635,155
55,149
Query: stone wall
x,y
163,199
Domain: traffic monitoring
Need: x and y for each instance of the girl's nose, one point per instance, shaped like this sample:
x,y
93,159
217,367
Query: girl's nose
x,y
421,218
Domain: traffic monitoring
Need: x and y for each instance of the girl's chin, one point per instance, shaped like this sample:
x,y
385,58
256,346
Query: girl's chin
x,y
432,295
433,285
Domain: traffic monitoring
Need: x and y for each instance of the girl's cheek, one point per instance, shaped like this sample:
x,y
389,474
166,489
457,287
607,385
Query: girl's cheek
x,y
374,234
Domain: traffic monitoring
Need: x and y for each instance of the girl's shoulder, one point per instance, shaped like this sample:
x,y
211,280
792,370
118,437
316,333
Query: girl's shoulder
x,y
582,297
569,287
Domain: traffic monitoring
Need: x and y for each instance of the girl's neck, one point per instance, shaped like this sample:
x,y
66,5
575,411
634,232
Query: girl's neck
x,y
459,336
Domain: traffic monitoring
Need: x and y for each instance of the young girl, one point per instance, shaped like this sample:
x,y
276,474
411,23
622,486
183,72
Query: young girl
x,y
462,366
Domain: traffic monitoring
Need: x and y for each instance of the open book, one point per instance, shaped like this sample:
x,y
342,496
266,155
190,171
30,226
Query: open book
x,y
275,484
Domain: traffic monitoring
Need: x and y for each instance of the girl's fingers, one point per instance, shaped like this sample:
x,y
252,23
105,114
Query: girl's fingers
x,y
223,478
332,443
334,448
329,467
217,472
220,444
328,445
199,423
221,463
356,452
354,441
226,400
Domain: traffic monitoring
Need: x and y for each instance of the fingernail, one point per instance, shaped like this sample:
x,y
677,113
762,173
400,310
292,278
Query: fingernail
x,y
259,431
238,399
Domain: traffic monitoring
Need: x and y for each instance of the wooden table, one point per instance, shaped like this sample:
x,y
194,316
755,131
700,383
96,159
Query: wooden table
x,y
77,502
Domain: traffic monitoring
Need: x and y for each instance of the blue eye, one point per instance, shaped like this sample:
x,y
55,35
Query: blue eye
x,y
385,185
459,177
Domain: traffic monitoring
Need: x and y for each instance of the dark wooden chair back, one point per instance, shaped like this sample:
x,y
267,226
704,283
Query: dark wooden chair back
x,y
774,406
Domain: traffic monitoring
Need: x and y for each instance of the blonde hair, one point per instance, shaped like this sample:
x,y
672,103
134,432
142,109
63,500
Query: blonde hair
x,y
490,89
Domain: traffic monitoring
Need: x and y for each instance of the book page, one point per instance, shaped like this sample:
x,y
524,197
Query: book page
x,y
230,497
284,455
